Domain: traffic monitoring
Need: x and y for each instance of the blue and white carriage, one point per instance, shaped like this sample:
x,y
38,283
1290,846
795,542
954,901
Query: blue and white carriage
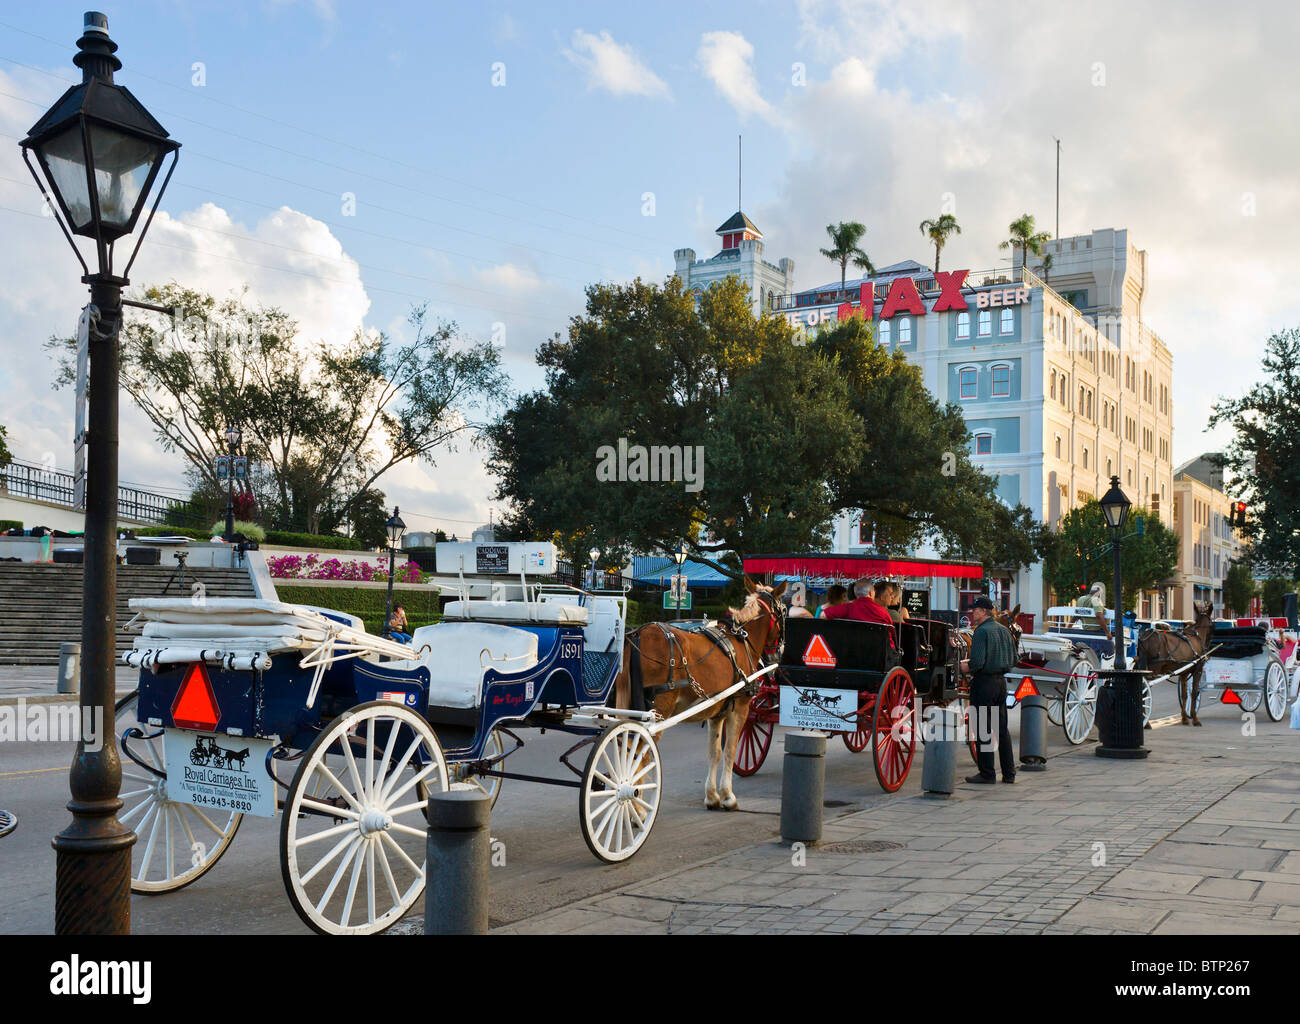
x,y
254,707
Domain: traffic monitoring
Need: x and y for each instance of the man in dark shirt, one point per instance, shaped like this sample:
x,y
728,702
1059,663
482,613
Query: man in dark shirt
x,y
992,655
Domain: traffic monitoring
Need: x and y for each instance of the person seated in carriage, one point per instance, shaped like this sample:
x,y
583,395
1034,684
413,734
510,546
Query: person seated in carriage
x,y
835,595
397,627
796,599
890,595
863,608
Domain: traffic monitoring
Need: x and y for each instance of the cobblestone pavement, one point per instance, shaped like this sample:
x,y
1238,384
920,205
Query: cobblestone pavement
x,y
1204,836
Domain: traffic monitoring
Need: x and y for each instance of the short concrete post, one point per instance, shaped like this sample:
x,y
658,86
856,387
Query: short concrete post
x,y
69,668
939,765
803,787
459,859
1033,733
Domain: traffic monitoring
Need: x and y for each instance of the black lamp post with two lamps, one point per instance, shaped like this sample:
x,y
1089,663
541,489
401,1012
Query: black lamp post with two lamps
x,y
100,152
395,528
1119,701
233,436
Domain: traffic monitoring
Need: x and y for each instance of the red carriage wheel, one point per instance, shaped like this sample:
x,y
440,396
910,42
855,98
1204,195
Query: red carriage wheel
x,y
857,741
893,730
756,734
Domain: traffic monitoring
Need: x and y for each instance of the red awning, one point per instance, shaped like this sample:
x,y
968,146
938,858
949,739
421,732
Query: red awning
x,y
857,566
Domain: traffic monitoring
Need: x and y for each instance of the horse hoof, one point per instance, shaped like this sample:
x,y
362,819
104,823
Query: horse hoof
x,y
712,805
730,804
1196,721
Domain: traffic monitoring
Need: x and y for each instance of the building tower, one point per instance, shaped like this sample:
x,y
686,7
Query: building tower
x,y
741,256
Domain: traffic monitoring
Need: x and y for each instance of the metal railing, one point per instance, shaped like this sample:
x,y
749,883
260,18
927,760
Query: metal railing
x,y
28,480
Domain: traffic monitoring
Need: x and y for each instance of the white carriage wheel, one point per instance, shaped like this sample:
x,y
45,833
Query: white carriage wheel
x,y
1080,702
621,787
1148,701
176,843
359,867
488,785
1275,690
1251,699
1055,709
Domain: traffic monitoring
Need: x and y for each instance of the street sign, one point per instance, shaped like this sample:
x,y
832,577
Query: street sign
x,y
674,603
241,468
917,603
223,468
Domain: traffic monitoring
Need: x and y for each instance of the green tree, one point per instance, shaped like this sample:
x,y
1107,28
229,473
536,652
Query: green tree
x,y
365,518
937,231
642,367
844,248
1273,594
1263,459
1080,553
1239,588
1025,238
6,456
326,422
1045,270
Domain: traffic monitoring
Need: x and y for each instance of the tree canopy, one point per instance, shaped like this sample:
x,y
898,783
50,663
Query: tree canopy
x,y
323,423
1263,459
1080,553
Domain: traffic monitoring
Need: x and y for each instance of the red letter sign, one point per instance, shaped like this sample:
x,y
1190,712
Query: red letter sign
x,y
950,281
902,296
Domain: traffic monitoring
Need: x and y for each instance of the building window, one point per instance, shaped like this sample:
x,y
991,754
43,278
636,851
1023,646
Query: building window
x,y
983,444
884,333
905,330
1085,458
986,323
963,325
1108,472
968,386
1058,446
1001,382
1052,393
1008,322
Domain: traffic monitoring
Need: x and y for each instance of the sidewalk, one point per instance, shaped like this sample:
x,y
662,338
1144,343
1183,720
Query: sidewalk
x,y
1203,836
38,684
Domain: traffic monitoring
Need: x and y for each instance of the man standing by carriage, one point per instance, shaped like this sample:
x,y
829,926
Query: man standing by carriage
x,y
992,655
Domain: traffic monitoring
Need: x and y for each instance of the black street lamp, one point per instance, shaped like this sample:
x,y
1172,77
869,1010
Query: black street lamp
x,y
395,528
680,556
233,436
100,152
1115,506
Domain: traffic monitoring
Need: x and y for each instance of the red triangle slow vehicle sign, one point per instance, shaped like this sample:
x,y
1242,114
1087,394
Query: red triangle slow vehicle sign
x,y
818,653
195,706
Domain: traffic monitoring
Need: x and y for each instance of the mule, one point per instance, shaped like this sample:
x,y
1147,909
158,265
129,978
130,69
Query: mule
x,y
678,667
1165,650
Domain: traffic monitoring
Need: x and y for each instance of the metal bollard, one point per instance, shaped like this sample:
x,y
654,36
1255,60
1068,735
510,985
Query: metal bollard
x,y
803,786
69,668
939,767
1033,733
459,857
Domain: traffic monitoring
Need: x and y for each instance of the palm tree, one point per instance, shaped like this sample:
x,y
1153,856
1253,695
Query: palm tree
x,y
938,231
1024,238
1046,268
844,247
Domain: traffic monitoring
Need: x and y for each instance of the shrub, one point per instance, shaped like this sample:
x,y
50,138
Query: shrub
x,y
10,524
370,605
250,530
289,539
313,567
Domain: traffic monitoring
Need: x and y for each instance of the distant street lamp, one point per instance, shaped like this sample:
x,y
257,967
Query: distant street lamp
x,y
593,554
233,437
1115,506
395,528
100,152
680,556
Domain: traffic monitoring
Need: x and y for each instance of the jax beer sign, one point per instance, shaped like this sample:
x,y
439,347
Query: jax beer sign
x,y
903,297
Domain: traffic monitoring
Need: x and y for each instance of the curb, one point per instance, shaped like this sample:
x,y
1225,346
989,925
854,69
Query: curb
x,y
12,699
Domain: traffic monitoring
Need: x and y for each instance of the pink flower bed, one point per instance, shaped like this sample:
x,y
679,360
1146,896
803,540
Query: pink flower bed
x,y
312,567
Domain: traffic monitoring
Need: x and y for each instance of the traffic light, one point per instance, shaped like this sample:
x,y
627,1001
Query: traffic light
x,y
1083,588
1237,515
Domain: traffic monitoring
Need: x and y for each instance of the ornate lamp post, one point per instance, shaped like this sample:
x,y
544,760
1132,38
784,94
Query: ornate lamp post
x,y
395,528
233,436
100,152
593,554
1115,506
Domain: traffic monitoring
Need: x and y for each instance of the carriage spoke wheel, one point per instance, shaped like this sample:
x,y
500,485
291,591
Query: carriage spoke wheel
x,y
1056,709
968,728
488,785
893,730
176,843
858,739
353,835
756,734
1080,702
621,788
1148,700
1275,691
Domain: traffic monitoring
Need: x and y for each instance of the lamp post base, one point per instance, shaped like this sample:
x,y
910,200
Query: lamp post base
x,y
92,886
1123,753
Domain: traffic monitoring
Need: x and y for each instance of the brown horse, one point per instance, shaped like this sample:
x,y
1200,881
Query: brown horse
x,y
675,668
1164,650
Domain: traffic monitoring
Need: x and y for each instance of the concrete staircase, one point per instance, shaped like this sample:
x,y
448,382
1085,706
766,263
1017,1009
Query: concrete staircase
x,y
40,604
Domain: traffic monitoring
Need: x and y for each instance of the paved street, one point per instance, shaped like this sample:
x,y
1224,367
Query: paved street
x,y
1201,836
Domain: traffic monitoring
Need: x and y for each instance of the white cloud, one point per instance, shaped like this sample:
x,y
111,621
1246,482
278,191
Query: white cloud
x,y
509,278
726,59
614,67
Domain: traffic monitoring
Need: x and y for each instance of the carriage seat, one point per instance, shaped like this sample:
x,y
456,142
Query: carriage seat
x,y
457,654
550,613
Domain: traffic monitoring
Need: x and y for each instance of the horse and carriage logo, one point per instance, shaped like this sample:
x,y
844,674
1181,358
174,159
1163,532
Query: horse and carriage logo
x,y
207,754
818,699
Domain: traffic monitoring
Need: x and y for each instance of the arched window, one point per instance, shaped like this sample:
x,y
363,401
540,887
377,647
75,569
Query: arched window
x,y
963,325
1001,381
1008,322
984,444
1085,458
1108,470
905,330
1052,392
1081,393
969,387
884,333
986,323
1058,446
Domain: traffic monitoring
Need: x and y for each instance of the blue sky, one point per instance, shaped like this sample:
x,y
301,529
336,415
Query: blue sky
x,y
497,204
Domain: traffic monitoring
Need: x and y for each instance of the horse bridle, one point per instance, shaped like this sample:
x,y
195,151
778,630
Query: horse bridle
x,y
775,617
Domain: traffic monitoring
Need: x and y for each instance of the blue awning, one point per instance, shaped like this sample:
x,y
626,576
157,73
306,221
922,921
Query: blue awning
x,y
659,571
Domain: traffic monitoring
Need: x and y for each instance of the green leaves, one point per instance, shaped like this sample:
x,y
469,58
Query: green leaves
x,y
1080,553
